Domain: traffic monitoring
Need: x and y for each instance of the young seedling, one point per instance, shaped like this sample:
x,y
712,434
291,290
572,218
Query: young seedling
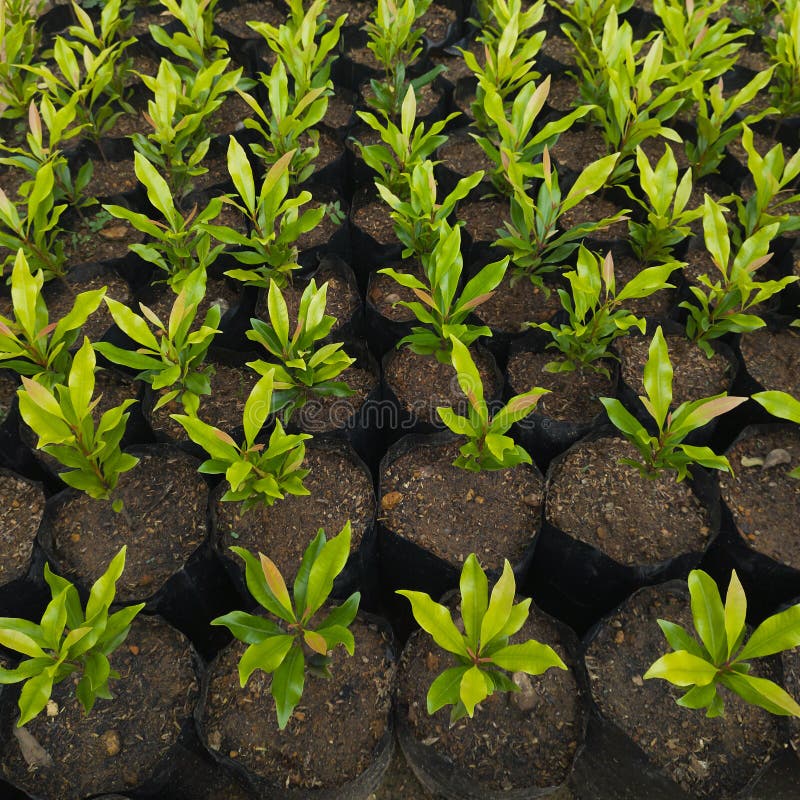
x,y
33,225
784,51
30,344
510,48
269,248
68,640
439,309
21,39
178,243
256,474
536,243
48,128
722,657
284,648
172,358
395,42
178,113
304,45
720,307
403,148
694,42
664,202
587,18
89,71
595,311
487,446
196,43
720,120
774,179
482,652
666,450
510,136
289,124
417,220
635,98
305,368
783,405
66,428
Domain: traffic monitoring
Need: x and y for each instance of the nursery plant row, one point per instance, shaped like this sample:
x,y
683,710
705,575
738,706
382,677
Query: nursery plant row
x,y
415,374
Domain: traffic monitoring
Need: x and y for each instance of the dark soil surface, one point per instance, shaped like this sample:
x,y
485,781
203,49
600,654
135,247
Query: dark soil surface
x,y
463,155
525,739
111,178
773,358
482,218
21,509
120,743
163,493
327,227
593,209
223,408
335,731
710,758
436,21
109,242
373,219
695,375
765,501
342,299
339,489
422,384
234,20
60,300
219,291
453,512
384,292
574,395
517,301
9,383
637,520
658,304
322,414
579,147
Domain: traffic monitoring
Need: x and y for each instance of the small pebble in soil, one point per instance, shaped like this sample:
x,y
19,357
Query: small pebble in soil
x,y
111,742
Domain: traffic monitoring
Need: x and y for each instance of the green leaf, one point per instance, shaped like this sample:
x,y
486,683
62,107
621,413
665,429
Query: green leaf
x,y
446,689
680,639
34,696
715,231
474,598
158,191
328,564
242,174
435,619
708,613
774,635
267,655
735,612
102,592
592,178
15,640
779,404
278,313
287,685
658,378
132,324
682,669
500,605
473,689
81,378
277,586
761,692
531,657
246,627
